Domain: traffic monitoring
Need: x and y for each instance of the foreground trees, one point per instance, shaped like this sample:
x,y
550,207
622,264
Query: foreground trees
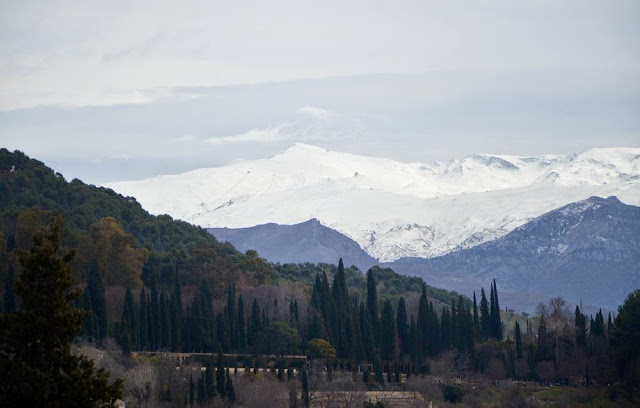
x,y
36,365
625,338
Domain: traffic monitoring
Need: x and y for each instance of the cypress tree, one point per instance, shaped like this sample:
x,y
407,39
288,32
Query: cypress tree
x,y
518,337
485,317
403,329
176,314
377,368
476,319
155,317
222,331
128,326
220,374
372,300
242,328
98,302
210,384
231,317
143,321
445,328
496,321
387,332
165,321
422,324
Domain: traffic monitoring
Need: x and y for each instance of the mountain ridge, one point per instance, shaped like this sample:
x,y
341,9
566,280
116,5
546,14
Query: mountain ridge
x,y
391,209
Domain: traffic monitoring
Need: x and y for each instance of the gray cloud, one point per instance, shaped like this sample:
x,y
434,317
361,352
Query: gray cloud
x,y
84,85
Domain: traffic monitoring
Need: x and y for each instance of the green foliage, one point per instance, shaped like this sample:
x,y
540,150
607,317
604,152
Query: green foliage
x,y
320,348
36,364
390,284
280,338
451,393
625,338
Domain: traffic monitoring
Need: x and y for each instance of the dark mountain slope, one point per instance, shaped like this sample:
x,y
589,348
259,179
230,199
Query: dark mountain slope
x,y
588,250
309,241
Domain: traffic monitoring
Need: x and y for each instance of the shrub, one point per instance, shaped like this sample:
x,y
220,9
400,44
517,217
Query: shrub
x,y
452,393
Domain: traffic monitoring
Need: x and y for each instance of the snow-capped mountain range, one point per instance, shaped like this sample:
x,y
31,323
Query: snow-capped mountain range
x,y
391,209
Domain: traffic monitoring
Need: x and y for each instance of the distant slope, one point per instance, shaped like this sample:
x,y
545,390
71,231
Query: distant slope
x,y
391,209
588,250
309,241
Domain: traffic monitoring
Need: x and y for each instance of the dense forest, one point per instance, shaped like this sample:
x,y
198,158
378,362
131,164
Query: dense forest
x,y
158,284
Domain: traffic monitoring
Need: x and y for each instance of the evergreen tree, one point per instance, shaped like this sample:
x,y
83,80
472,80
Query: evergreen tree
x,y
222,331
625,338
545,348
497,320
485,318
242,328
176,315
518,338
128,327
231,317
155,319
255,326
143,321
372,300
377,368
402,326
422,324
37,367
387,332
165,321
98,302
210,384
581,328
476,319
9,300
220,374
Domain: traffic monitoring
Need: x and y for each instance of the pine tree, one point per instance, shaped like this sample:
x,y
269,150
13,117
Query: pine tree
x,y
37,367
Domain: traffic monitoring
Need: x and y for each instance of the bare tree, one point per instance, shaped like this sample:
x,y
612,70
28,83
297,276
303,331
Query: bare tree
x,y
140,383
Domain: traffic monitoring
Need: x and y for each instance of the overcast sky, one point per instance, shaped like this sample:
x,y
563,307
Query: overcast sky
x,y
115,90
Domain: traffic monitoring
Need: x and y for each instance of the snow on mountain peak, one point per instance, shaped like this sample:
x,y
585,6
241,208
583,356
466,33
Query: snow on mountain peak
x,y
391,209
